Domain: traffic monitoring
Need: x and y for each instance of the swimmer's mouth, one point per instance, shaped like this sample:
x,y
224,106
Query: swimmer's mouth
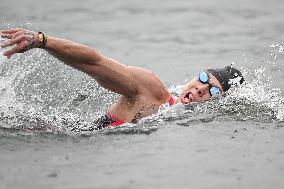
x,y
187,98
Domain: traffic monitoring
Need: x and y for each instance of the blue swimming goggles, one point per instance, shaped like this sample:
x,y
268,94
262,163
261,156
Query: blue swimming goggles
x,y
204,78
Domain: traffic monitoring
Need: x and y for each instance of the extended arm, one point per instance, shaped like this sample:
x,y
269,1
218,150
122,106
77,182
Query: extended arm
x,y
108,73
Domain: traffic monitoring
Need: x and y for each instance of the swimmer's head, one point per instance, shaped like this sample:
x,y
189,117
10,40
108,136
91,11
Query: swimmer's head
x,y
210,83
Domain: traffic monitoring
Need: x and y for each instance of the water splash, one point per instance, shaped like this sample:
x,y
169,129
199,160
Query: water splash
x,y
38,93
278,49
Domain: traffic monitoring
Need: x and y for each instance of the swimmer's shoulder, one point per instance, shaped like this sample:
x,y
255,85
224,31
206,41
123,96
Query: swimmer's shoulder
x,y
150,85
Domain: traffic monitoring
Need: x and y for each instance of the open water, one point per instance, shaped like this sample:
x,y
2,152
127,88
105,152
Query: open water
x,y
233,141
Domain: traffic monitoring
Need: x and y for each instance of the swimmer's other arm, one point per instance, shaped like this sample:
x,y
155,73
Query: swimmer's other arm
x,y
126,80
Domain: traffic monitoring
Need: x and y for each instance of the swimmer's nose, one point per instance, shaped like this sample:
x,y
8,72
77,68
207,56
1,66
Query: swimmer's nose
x,y
201,90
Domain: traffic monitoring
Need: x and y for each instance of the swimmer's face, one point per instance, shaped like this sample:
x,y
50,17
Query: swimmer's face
x,y
195,91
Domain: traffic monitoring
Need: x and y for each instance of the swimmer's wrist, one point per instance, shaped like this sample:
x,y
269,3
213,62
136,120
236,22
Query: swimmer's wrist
x,y
36,40
40,40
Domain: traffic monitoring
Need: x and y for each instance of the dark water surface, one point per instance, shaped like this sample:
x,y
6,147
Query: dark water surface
x,y
235,141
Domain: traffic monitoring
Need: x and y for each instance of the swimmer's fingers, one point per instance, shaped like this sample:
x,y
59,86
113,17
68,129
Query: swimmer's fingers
x,y
19,48
10,31
23,39
12,35
7,36
12,41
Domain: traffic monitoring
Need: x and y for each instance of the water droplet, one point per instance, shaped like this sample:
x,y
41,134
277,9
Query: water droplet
x,y
273,56
281,49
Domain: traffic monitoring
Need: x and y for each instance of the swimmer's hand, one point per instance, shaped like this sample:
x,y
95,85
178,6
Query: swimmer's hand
x,y
22,40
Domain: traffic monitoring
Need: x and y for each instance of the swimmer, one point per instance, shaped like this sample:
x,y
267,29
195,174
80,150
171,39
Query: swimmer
x,y
141,92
